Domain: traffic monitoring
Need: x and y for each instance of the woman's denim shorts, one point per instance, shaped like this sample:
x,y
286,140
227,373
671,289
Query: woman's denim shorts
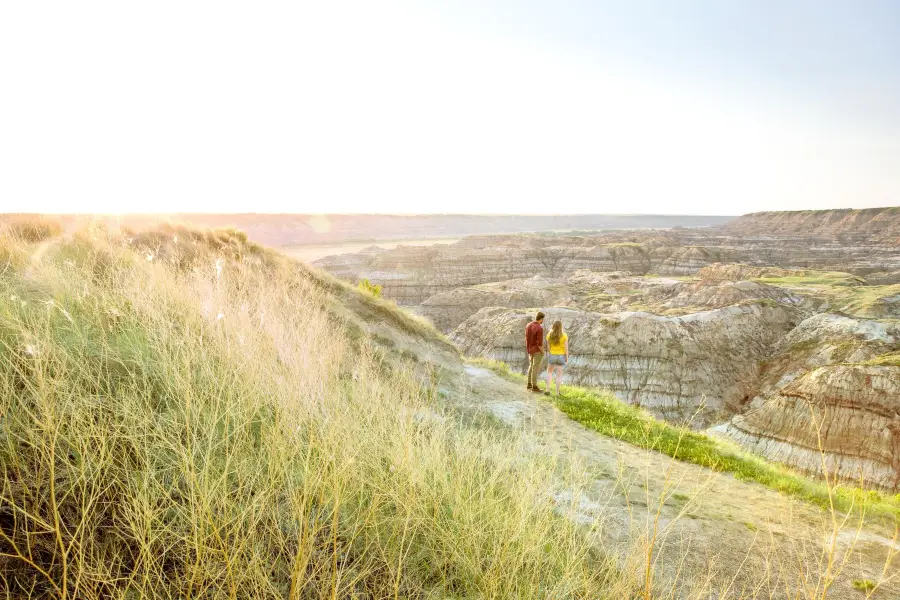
x,y
558,360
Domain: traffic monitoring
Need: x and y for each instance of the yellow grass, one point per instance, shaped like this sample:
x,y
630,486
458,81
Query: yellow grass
x,y
211,432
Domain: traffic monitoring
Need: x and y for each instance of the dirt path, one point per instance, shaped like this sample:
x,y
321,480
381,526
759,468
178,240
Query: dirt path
x,y
712,526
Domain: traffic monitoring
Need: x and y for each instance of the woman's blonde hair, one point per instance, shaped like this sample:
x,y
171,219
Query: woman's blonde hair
x,y
556,332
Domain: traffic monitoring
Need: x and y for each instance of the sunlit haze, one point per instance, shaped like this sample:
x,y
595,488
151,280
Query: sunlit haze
x,y
562,107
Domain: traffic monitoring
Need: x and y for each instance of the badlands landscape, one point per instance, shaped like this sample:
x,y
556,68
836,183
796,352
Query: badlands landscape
x,y
188,413
779,330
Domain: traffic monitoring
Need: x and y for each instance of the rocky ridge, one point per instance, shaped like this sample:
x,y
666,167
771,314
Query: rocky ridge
x,y
872,224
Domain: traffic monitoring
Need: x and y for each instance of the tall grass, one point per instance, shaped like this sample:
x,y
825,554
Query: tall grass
x,y
30,228
212,431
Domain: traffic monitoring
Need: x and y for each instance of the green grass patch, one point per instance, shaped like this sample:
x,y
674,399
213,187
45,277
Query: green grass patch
x,y
846,292
625,245
500,368
868,300
891,359
821,278
367,286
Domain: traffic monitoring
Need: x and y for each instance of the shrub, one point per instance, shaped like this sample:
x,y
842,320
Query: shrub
x,y
367,286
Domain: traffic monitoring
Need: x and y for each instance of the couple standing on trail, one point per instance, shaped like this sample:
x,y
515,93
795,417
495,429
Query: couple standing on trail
x,y
556,342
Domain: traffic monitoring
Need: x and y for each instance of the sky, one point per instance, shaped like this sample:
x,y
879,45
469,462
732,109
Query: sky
x,y
469,106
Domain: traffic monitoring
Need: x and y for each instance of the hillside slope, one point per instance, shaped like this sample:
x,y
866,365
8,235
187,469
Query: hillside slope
x,y
188,415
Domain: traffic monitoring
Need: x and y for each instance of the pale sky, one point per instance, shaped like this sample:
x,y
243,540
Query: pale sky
x,y
552,106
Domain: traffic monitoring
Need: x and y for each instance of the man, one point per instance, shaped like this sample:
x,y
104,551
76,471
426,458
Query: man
x,y
534,345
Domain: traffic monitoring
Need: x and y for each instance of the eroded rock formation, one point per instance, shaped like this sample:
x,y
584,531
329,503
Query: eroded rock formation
x,y
827,396
689,260
409,275
738,272
704,364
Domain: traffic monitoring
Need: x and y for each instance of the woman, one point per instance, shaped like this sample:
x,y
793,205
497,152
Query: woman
x,y
559,355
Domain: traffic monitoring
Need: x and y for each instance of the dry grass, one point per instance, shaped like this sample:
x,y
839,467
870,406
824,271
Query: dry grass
x,y
173,432
30,228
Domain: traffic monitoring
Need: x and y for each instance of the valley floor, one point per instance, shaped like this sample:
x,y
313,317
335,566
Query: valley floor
x,y
737,539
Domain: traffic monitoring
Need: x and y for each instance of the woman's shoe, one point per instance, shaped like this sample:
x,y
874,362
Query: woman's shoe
x,y
546,393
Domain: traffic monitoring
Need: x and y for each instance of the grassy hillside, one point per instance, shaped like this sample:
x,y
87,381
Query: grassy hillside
x,y
187,415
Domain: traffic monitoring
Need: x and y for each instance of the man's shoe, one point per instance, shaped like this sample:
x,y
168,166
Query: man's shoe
x,y
536,390
530,386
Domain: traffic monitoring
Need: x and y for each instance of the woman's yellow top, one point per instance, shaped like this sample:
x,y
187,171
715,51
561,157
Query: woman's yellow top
x,y
560,347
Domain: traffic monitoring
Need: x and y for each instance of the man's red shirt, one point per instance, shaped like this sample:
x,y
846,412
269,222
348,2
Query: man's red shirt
x,y
534,337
